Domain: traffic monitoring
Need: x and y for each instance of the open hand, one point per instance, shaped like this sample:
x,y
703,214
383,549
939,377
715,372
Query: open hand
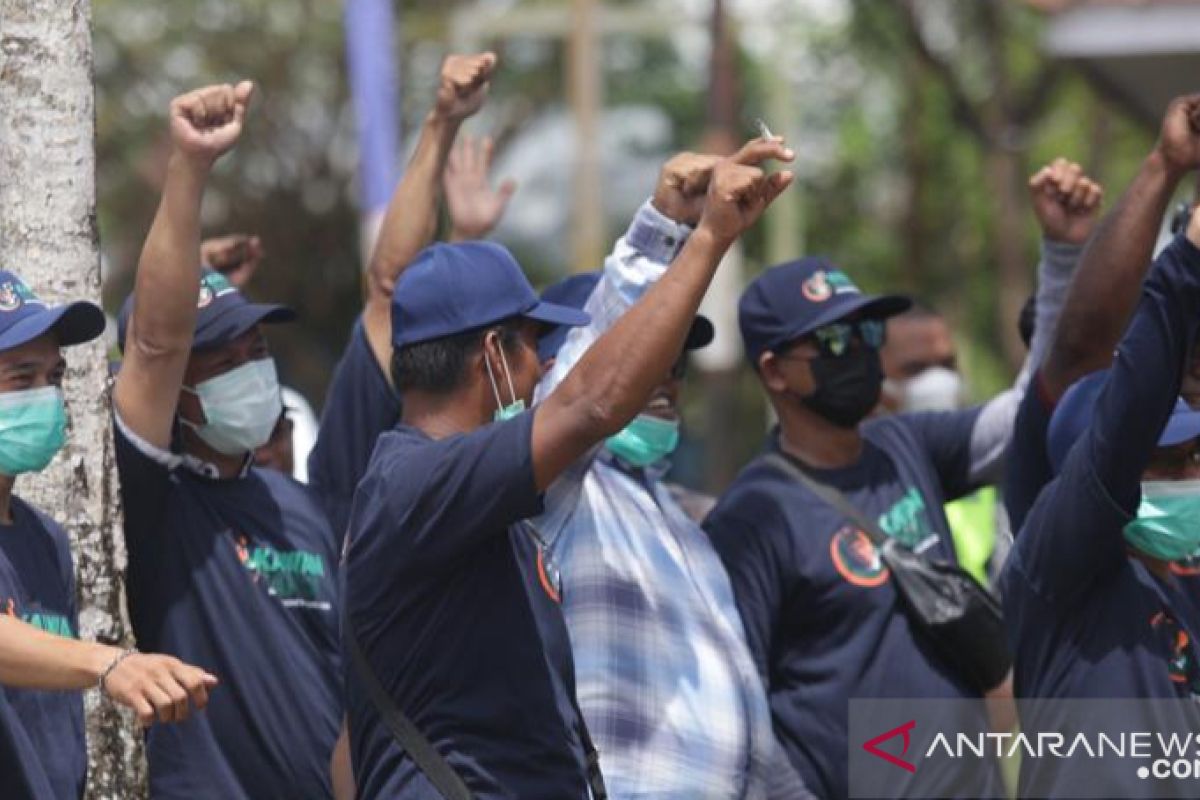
x,y
464,85
740,191
475,207
158,688
206,123
1066,201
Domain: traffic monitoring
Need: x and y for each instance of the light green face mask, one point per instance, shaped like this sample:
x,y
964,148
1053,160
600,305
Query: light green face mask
x,y
517,405
645,440
1168,520
33,427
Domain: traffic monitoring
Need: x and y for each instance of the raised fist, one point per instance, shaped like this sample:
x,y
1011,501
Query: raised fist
x,y
1179,140
475,207
236,256
464,85
206,123
739,191
683,186
1066,202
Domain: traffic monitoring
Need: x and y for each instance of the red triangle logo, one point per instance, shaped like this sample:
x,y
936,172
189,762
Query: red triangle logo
x,y
872,746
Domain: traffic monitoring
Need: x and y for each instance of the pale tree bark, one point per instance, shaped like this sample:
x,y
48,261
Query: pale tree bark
x,y
48,236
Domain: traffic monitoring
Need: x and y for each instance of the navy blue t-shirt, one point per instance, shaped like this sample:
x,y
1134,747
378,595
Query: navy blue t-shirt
x,y
1027,466
237,577
359,406
37,585
1085,619
451,597
820,612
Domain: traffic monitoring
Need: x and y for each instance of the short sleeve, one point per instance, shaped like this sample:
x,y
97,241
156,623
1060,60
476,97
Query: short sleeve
x,y
428,503
945,437
750,552
145,475
360,405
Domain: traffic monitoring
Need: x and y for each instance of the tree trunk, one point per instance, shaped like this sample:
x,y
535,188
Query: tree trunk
x,y
48,235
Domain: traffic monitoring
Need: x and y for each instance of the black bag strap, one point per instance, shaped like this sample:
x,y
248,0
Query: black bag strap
x,y
831,496
419,749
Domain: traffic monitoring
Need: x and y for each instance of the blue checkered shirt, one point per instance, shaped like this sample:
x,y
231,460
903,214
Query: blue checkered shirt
x,y
664,676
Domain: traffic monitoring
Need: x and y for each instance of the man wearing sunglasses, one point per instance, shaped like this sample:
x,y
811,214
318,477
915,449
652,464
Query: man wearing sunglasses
x,y
820,611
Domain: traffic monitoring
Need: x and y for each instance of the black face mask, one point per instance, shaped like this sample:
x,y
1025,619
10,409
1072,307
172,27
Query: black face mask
x,y
847,387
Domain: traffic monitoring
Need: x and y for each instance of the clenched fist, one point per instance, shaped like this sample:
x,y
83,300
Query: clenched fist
x,y
1179,139
1066,201
739,190
683,186
464,85
206,123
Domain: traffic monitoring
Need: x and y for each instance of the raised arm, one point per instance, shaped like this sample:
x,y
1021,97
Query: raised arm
x,y
412,213
659,230
156,687
204,125
613,380
1066,203
1104,290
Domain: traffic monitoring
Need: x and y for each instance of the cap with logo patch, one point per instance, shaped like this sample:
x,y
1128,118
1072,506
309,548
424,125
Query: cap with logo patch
x,y
23,317
223,313
792,300
454,288
574,291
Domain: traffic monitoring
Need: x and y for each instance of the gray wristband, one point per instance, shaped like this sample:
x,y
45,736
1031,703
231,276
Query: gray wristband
x,y
113,665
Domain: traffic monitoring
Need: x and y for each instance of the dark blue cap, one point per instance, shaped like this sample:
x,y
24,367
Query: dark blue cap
x,y
792,300
574,291
23,317
223,313
453,288
1074,414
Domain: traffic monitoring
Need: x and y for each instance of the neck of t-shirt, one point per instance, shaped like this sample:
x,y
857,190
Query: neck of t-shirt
x,y
817,442
227,466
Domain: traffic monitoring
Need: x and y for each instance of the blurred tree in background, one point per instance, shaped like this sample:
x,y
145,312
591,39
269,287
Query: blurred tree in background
x,y
916,122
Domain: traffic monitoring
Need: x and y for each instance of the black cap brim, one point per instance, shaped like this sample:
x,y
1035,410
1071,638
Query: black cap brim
x,y
555,314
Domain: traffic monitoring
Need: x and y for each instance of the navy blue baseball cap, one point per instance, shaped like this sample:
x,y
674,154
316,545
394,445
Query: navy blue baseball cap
x,y
223,313
574,291
791,300
453,288
23,317
1074,414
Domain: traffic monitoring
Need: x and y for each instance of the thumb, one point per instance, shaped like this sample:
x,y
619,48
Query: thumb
x,y
242,94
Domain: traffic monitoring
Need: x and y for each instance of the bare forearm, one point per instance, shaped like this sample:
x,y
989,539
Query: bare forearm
x,y
33,659
1106,285
411,218
169,268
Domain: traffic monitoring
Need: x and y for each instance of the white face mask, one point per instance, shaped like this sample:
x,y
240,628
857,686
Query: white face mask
x,y
241,406
934,389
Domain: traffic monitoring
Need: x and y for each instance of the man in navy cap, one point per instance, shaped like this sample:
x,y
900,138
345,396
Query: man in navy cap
x,y
1096,604
42,748
820,611
665,679
452,596
361,402
231,566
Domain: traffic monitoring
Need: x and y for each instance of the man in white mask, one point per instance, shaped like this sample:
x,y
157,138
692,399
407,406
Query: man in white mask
x,y
231,567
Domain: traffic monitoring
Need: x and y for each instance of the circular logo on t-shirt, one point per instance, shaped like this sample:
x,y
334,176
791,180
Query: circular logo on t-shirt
x,y
856,558
817,289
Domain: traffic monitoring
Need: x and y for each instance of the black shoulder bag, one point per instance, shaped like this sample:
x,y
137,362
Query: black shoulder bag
x,y
959,619
436,768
